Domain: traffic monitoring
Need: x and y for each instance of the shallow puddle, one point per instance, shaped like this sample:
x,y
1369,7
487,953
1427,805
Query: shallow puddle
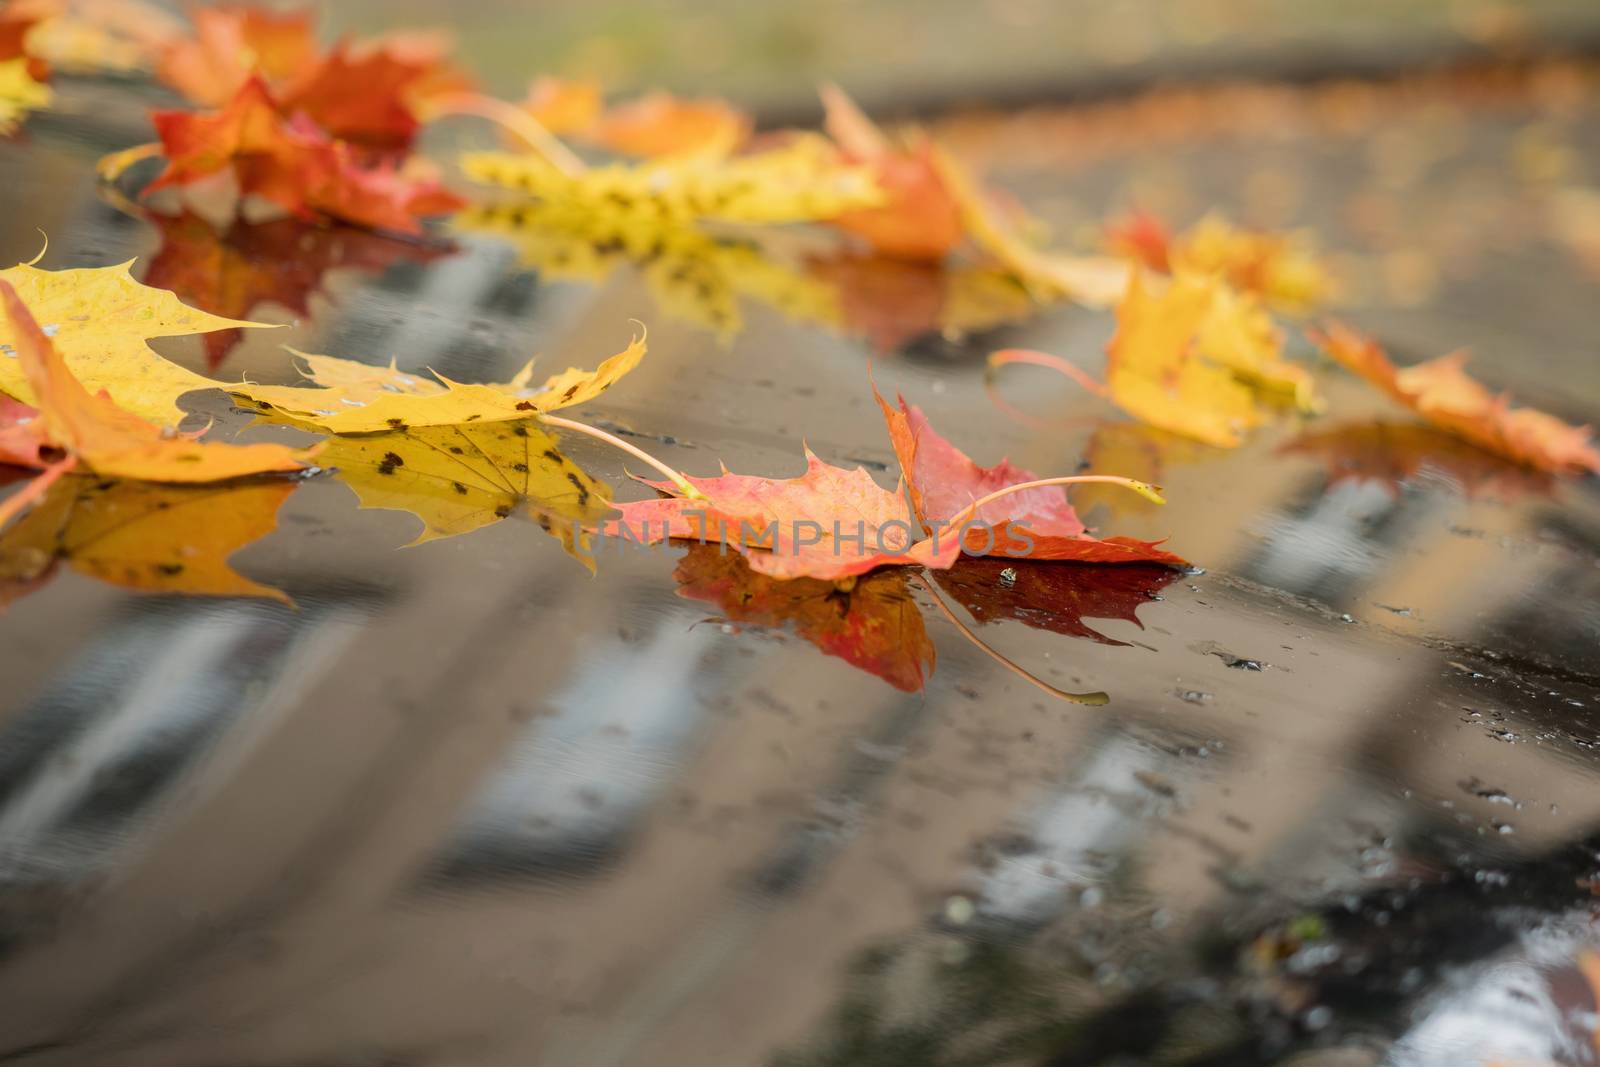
x,y
464,803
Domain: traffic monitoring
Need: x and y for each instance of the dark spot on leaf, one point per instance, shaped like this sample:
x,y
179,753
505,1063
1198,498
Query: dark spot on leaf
x,y
525,405
502,511
390,462
170,569
397,424
583,490
520,431
520,468
455,450
458,487
553,456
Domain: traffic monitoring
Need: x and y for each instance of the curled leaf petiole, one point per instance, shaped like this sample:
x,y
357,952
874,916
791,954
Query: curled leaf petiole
x,y
1094,699
673,476
1144,489
1045,359
530,130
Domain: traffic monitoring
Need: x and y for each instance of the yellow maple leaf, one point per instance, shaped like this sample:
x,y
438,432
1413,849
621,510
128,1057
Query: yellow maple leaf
x,y
458,478
1093,280
141,535
1237,333
1153,373
91,429
802,181
19,93
351,397
100,320
1280,268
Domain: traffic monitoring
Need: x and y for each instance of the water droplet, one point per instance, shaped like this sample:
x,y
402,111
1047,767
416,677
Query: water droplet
x,y
959,910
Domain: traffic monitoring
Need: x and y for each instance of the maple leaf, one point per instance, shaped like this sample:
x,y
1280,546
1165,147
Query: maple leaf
x,y
1036,523
460,477
833,523
142,535
828,523
1279,268
874,625
1157,365
1443,394
653,125
1141,237
19,93
14,27
290,162
232,43
361,97
564,105
351,397
92,36
282,262
99,319
1056,599
1392,454
800,181
920,218
93,430
1152,372
1237,333
365,93
1092,280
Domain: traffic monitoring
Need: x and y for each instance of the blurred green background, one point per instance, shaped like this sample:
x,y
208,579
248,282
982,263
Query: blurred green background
x,y
921,54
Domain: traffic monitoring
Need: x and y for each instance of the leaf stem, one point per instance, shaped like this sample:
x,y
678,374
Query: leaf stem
x,y
23,498
1144,489
677,479
1021,672
1045,359
510,117
112,166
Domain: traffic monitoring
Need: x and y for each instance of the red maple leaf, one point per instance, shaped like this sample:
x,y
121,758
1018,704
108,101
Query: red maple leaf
x,y
292,163
1034,523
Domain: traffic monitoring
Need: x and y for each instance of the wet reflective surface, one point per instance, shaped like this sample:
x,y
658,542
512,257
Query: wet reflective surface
x,y
466,804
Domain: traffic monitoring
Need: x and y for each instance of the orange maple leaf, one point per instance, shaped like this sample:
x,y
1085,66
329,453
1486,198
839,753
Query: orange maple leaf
x,y
1142,237
833,523
72,426
653,125
231,44
1035,523
922,218
292,163
14,27
1277,267
1442,392
360,97
363,92
828,523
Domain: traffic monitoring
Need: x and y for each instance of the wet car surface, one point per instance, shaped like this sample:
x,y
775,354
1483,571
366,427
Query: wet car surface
x,y
464,803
